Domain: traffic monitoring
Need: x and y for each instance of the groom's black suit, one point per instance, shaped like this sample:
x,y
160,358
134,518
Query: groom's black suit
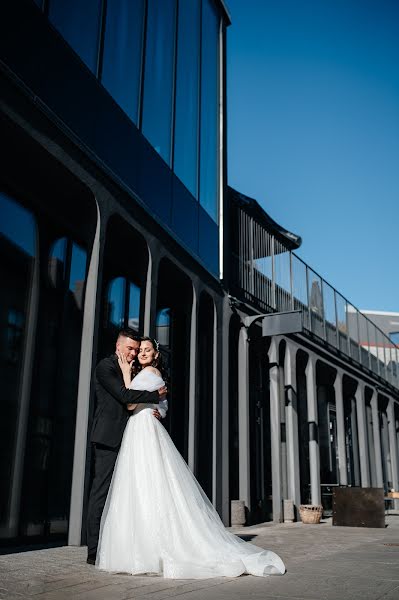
x,y
110,418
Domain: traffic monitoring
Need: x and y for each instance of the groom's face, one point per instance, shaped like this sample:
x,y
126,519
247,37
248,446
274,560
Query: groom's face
x,y
128,347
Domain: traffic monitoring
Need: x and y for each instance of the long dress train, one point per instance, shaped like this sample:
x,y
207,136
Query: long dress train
x,y
157,519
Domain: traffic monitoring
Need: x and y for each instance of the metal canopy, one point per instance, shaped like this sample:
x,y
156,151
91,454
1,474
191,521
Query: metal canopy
x,y
282,323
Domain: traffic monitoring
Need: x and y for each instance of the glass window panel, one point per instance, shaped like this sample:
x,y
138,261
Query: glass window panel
x,y
299,284
122,55
15,331
56,263
17,250
163,327
316,307
329,314
78,273
79,23
394,337
134,307
187,89
342,323
116,302
209,110
158,77
17,225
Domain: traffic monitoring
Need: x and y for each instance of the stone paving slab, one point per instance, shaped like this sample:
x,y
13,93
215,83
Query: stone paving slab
x,y
323,563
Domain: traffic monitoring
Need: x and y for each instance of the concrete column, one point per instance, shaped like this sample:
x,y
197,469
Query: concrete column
x,y
386,454
87,359
192,399
283,431
393,446
377,439
243,419
339,406
371,453
150,303
314,452
216,416
291,411
224,394
275,430
355,444
362,435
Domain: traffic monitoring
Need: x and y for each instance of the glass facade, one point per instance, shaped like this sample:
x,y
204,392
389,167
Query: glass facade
x,y
123,304
41,313
209,109
163,327
79,23
122,53
187,95
17,240
159,60
159,76
47,472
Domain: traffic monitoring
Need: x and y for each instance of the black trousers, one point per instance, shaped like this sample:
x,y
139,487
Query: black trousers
x,y
104,462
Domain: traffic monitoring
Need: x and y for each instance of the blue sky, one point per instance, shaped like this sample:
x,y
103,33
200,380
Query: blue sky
x,y
313,132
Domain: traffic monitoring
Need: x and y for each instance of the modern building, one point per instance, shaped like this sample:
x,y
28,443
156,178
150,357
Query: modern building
x,y
388,323
115,210
315,406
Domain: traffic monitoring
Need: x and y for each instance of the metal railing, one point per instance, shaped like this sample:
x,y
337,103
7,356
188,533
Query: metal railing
x,y
275,279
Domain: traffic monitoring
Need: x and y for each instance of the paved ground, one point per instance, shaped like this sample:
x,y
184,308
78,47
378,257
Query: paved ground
x,y
323,563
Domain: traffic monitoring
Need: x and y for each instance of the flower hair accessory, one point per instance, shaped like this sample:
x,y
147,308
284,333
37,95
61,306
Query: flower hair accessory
x,y
156,344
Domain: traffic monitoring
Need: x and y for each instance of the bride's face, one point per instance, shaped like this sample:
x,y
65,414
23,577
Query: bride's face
x,y
147,353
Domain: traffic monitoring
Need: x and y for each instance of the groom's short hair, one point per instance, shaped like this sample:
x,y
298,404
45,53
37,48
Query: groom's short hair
x,y
130,333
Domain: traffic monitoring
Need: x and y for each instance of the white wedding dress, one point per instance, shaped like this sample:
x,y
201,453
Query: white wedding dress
x,y
157,519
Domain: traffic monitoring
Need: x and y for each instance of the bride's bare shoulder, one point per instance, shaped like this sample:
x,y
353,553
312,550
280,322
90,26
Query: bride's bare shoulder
x,y
153,370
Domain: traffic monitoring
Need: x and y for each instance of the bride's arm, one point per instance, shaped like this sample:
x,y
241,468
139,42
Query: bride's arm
x,y
126,369
108,376
163,402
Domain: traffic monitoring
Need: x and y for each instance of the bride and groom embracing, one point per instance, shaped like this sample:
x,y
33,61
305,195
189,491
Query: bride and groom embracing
x,y
147,513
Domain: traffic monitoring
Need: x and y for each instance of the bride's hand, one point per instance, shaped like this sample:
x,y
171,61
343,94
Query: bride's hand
x,y
162,392
126,367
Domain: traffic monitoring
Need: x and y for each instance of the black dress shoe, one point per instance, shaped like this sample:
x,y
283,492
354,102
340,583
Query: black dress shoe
x,y
91,559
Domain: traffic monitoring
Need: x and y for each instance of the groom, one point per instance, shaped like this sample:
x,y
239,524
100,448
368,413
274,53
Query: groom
x,y
110,419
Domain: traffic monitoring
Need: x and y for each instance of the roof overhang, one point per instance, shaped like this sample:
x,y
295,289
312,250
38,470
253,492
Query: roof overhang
x,y
291,240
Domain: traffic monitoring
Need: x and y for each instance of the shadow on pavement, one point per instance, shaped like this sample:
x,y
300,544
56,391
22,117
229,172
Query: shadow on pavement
x,y
247,537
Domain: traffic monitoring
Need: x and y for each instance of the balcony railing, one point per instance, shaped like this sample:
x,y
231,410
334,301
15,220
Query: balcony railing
x,y
274,279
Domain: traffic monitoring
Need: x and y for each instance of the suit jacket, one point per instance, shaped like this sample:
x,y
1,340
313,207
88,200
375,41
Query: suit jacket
x,y
111,414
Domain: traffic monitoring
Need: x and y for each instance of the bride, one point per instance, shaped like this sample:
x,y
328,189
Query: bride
x,y
157,519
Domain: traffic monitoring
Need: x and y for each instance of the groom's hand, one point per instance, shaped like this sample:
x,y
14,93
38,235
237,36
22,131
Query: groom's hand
x,y
162,392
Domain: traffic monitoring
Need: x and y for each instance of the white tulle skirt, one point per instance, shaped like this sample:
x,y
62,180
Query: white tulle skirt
x,y
157,519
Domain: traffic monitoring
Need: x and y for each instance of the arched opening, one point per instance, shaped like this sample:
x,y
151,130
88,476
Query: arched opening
x,y
18,247
124,279
54,218
328,437
303,427
51,431
234,471
384,439
260,433
204,404
351,433
173,318
368,394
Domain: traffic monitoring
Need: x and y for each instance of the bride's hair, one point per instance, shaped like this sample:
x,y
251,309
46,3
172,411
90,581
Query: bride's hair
x,y
157,363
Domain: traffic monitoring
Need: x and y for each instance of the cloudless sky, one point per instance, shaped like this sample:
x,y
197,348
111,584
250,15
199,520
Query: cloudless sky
x,y
313,132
